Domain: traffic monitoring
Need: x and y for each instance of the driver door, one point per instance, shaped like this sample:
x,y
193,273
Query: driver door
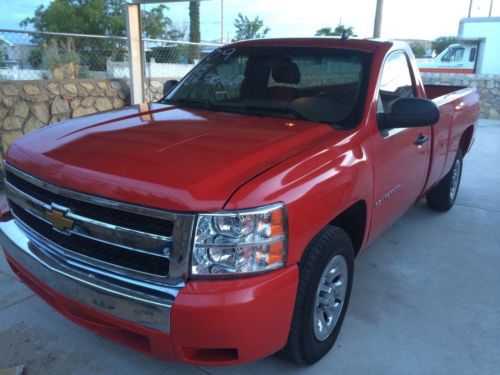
x,y
401,155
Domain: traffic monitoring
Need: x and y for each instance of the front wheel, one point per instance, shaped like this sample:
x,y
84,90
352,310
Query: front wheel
x,y
325,283
442,196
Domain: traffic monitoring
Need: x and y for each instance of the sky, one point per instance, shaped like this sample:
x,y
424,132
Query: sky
x,y
402,19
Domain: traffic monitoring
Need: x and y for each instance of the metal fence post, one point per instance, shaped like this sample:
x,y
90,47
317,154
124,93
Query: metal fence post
x,y
136,53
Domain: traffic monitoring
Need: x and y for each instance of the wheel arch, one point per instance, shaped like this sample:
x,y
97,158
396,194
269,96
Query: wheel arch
x,y
466,139
353,221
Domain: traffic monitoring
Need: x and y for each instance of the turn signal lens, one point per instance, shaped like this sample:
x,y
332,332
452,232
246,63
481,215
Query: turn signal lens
x,y
277,224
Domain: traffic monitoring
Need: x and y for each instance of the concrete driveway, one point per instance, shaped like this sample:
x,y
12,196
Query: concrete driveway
x,y
426,300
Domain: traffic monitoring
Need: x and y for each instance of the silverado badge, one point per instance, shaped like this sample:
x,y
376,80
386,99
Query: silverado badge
x,y
58,220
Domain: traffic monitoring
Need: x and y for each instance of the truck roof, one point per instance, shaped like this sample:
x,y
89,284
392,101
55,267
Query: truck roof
x,y
365,45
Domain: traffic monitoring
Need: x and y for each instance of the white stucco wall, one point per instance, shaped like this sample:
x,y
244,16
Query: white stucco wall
x,y
487,29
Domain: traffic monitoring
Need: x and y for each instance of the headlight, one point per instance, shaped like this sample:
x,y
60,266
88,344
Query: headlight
x,y
240,242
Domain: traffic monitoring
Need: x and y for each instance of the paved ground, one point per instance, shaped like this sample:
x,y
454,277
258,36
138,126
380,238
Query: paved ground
x,y
426,300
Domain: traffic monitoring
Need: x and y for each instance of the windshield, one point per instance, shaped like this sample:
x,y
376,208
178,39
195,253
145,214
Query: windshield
x,y
316,84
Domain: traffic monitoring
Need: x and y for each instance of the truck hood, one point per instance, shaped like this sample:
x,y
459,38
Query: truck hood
x,y
162,156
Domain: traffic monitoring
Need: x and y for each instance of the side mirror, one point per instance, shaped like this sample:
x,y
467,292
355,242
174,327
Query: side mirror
x,y
169,85
409,113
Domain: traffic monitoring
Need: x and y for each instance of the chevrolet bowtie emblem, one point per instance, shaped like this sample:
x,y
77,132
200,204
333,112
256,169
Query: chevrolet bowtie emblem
x,y
58,220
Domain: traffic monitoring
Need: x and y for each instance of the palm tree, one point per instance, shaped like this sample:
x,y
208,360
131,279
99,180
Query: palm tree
x,y
194,30
194,21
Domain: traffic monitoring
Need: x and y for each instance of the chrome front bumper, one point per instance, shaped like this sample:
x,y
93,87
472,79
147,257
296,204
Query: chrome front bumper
x,y
86,287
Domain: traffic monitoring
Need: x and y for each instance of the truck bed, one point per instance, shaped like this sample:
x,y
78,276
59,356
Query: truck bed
x,y
435,91
459,109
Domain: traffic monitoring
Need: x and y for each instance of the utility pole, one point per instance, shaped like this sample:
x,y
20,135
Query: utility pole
x,y
491,8
378,19
470,8
222,21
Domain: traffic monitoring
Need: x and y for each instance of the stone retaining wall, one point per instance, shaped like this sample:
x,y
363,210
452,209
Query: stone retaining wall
x,y
29,105
488,87
154,87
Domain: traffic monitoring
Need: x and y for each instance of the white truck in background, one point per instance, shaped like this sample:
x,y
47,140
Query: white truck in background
x,y
478,50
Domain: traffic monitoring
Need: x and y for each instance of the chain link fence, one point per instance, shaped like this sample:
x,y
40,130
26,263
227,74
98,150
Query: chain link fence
x,y
166,60
30,55
27,55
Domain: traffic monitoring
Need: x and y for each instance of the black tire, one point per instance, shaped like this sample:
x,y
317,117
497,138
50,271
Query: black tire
x,y
442,197
303,347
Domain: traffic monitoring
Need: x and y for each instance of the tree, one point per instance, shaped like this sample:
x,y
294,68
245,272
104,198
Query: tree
x,y
194,21
194,31
339,30
249,29
442,42
154,22
95,17
418,48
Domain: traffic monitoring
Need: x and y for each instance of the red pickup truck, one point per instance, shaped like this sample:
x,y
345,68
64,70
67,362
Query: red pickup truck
x,y
220,224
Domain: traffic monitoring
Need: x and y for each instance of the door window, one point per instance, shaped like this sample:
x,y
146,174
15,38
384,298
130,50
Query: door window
x,y
454,54
472,56
396,82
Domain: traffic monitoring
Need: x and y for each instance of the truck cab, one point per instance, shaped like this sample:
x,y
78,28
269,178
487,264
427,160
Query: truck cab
x,y
456,58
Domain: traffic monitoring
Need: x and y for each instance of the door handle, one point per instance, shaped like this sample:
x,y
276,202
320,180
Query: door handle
x,y
421,139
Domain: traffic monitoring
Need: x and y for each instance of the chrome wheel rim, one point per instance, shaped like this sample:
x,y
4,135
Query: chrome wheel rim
x,y
330,297
455,179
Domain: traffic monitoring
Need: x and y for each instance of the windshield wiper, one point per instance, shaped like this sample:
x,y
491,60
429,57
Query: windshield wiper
x,y
189,102
206,104
291,112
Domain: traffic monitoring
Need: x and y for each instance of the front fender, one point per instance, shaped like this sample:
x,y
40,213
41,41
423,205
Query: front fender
x,y
316,186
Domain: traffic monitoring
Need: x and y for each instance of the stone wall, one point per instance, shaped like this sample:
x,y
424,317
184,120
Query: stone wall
x,y
153,90
29,105
488,87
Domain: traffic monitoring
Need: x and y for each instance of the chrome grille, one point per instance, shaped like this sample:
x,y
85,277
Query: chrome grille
x,y
99,213
94,250
137,242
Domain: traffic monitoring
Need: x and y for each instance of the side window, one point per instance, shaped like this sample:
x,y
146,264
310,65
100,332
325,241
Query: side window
x,y
453,54
396,82
458,54
472,56
446,56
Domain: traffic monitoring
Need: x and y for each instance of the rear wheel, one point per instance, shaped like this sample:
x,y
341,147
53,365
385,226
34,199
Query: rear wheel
x,y
325,283
442,196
